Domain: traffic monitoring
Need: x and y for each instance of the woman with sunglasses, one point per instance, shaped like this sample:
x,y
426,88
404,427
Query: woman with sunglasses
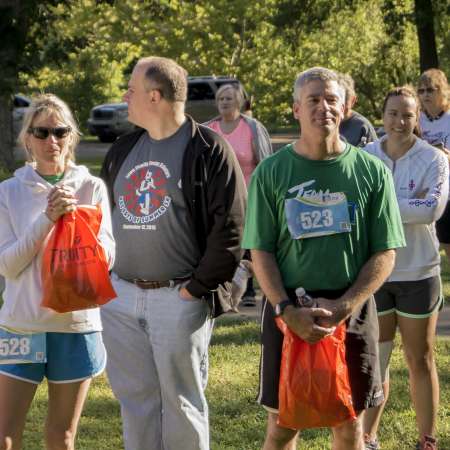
x,y
434,95
47,187
411,297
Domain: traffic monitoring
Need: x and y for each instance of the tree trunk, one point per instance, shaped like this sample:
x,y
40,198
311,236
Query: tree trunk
x,y
9,11
424,15
6,135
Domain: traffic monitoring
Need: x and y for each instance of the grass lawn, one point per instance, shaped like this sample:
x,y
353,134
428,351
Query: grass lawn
x,y
237,422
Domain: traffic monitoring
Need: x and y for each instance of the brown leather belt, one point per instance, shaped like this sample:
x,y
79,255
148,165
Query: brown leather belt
x,y
147,284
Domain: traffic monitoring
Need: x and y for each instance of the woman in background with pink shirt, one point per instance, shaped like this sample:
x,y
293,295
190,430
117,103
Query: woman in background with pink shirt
x,y
248,138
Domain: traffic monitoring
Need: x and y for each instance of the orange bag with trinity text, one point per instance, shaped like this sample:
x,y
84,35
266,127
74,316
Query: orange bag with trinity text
x,y
74,268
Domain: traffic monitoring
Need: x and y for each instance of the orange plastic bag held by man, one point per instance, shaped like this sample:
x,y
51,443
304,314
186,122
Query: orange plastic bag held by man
x,y
314,386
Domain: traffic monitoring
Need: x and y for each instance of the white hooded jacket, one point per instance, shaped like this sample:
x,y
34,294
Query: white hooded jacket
x,y
24,232
422,168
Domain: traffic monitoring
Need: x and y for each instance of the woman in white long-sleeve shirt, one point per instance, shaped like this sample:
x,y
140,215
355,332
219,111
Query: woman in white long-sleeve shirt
x,y
434,96
411,297
40,192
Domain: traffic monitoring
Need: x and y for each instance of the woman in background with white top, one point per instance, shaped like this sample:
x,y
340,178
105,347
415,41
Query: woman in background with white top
x,y
434,95
249,139
411,297
38,194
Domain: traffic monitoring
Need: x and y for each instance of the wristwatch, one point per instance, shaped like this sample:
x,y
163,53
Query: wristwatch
x,y
280,307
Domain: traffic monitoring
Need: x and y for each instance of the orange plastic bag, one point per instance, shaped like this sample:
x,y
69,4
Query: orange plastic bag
x,y
74,267
314,388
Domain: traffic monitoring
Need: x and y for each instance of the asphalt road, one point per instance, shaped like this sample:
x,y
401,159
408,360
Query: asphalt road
x,y
94,149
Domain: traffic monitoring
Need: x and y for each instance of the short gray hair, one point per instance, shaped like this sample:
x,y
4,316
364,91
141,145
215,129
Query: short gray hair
x,y
348,84
170,77
237,92
317,74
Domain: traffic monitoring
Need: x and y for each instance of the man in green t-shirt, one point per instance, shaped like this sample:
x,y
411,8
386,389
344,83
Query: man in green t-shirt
x,y
322,215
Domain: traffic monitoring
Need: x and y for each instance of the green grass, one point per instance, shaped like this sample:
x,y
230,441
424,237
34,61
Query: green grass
x,y
237,422
94,164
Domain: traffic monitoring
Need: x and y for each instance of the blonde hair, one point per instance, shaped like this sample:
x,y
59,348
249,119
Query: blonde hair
x,y
236,88
436,78
47,105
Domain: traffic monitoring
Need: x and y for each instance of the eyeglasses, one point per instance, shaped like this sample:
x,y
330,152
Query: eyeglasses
x,y
429,90
43,132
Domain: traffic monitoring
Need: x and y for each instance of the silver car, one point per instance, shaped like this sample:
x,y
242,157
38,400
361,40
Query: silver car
x,y
109,121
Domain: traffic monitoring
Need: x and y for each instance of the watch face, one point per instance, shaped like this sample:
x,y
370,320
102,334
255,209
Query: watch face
x,y
278,310
280,307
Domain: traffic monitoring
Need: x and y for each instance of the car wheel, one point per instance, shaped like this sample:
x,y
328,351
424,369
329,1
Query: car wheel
x,y
107,137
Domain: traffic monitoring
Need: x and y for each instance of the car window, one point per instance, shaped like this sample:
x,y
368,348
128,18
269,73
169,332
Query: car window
x,y
20,102
200,91
220,83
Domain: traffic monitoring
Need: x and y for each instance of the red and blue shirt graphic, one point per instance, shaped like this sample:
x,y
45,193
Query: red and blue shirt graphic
x,y
145,196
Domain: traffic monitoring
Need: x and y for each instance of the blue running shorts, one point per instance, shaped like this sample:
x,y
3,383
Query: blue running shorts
x,y
71,357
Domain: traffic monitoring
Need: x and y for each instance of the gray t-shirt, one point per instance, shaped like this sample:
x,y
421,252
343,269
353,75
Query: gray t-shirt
x,y
153,238
357,130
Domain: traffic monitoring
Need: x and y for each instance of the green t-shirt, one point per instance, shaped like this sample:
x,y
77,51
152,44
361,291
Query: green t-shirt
x,y
358,183
52,179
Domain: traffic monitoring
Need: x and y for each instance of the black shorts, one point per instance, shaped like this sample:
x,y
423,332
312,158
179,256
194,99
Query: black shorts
x,y
415,299
443,226
361,355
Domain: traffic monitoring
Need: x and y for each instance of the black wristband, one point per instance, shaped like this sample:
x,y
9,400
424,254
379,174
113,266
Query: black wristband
x,y
281,306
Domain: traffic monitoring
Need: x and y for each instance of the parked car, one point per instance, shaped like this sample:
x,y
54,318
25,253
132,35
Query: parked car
x,y
109,121
20,106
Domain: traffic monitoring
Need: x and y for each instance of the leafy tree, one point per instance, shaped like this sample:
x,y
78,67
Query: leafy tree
x,y
23,24
84,50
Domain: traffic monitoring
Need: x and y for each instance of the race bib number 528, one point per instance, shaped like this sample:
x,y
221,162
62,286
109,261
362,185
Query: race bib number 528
x,y
17,348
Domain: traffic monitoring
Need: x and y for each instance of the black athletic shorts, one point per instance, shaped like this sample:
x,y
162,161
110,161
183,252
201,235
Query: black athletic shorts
x,y
443,226
361,354
415,299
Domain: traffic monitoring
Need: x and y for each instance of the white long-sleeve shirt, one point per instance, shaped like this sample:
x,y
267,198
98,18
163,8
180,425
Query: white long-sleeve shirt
x,y
423,167
436,131
24,232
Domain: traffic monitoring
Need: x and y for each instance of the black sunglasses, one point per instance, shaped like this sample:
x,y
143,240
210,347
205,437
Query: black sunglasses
x,y
43,132
429,90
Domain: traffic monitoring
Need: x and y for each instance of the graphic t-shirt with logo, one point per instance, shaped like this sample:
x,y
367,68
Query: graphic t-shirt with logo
x,y
436,131
322,219
153,238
